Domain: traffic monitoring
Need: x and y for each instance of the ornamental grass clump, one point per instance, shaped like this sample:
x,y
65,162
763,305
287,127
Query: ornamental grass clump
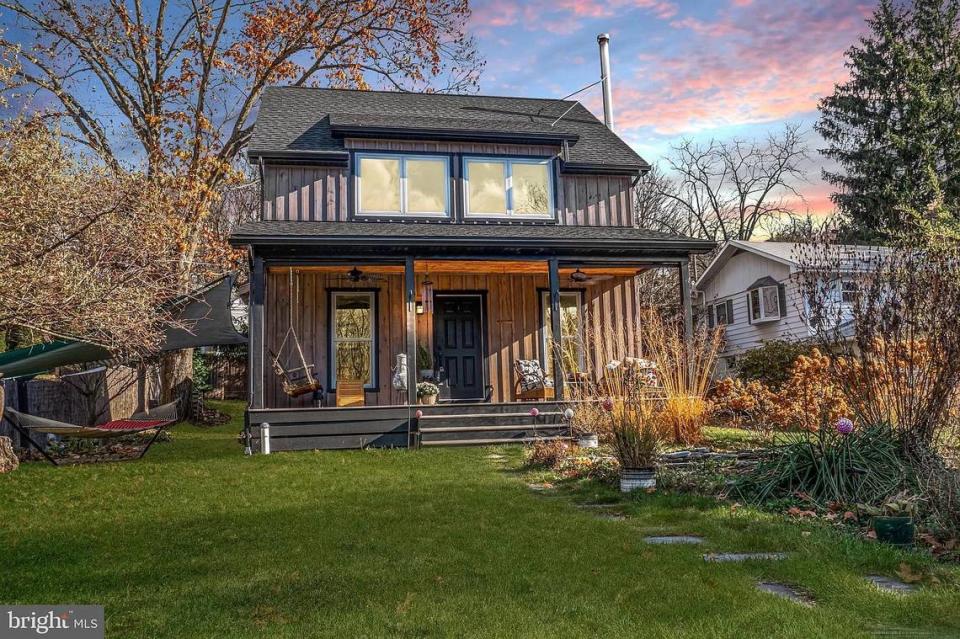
x,y
636,434
840,463
684,368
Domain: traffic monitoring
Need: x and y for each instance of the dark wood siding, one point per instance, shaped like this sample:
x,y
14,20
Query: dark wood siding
x,y
512,319
304,193
298,193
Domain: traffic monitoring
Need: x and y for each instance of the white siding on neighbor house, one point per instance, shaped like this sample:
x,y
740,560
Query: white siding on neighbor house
x,y
732,281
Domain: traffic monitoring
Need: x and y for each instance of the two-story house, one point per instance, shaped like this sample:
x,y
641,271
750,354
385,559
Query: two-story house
x,y
473,231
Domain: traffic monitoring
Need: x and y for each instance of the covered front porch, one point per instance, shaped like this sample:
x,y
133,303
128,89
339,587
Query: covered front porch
x,y
365,329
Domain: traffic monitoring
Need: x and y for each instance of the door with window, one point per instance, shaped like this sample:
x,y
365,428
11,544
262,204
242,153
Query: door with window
x,y
458,340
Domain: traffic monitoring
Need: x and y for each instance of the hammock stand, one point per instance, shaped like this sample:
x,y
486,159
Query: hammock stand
x,y
157,419
299,380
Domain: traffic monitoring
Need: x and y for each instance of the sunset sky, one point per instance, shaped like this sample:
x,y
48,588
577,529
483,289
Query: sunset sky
x,y
702,69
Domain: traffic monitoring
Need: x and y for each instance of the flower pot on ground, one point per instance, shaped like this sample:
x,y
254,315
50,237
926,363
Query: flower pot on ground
x,y
427,393
637,440
633,478
588,440
893,521
898,531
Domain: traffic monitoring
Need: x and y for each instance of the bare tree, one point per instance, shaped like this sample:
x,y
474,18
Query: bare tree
x,y
731,189
655,208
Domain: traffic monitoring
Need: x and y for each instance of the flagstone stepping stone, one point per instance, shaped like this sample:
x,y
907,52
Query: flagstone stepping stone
x,y
495,456
891,585
674,539
614,504
540,487
611,516
785,591
735,557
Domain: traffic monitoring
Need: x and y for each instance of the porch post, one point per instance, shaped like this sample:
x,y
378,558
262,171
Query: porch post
x,y
554,266
410,313
685,298
256,327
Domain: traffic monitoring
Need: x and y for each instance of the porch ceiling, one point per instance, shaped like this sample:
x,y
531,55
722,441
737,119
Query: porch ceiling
x,y
499,267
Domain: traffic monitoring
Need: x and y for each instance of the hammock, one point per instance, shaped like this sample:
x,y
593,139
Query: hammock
x,y
156,419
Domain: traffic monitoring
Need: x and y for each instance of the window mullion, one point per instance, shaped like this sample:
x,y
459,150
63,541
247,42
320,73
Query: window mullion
x,y
508,172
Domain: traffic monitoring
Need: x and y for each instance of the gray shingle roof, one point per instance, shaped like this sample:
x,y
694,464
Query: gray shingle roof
x,y
477,235
297,119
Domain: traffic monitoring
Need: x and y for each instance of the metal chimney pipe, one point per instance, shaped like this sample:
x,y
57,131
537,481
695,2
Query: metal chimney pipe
x,y
604,41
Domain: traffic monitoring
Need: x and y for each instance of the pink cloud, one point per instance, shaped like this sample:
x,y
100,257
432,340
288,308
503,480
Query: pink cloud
x,y
725,75
558,16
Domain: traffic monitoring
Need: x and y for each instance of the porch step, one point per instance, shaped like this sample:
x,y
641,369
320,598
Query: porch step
x,y
491,441
490,428
488,415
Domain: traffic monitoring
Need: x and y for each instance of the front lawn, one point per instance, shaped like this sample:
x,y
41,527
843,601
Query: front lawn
x,y
198,541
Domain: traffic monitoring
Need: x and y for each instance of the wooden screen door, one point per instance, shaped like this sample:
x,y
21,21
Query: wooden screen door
x,y
458,341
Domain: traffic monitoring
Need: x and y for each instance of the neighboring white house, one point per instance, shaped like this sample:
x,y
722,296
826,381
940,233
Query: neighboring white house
x,y
752,289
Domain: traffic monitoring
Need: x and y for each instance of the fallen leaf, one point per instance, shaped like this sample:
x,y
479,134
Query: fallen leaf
x,y
871,534
849,516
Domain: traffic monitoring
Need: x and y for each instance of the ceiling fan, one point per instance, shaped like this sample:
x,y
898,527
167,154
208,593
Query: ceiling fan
x,y
579,277
355,275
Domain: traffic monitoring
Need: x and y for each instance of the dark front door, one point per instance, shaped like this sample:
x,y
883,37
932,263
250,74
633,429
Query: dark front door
x,y
458,340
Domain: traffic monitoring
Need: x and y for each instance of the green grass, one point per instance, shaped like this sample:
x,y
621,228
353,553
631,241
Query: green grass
x,y
198,541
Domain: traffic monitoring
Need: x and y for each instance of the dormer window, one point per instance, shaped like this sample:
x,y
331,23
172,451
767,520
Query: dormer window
x,y
403,185
508,188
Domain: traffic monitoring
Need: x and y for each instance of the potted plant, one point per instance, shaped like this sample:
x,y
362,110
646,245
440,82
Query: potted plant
x,y
427,393
636,443
424,362
893,521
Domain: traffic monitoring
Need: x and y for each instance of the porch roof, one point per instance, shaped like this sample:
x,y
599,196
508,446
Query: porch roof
x,y
413,238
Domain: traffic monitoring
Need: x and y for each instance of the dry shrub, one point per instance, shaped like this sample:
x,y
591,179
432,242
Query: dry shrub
x,y
547,453
896,336
809,398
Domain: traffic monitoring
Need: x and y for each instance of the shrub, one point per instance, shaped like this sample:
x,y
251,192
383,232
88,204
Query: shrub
x,y
771,363
547,453
897,333
862,467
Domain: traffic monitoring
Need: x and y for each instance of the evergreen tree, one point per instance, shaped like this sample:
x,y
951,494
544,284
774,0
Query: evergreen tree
x,y
893,127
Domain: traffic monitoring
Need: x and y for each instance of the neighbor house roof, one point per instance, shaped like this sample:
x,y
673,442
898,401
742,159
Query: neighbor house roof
x,y
796,255
299,122
398,237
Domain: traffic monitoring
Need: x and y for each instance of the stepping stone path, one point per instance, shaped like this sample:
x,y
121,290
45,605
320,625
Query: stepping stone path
x,y
591,506
725,557
785,591
495,456
674,539
891,585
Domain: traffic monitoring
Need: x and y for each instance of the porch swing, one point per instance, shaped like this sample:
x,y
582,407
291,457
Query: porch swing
x,y
297,380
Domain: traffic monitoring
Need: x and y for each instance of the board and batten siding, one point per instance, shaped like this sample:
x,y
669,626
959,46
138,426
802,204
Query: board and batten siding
x,y
513,325
732,281
310,193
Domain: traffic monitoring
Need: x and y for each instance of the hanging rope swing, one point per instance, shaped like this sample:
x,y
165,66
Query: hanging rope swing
x,y
295,380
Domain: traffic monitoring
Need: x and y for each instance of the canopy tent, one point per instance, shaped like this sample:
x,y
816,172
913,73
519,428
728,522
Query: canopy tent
x,y
202,318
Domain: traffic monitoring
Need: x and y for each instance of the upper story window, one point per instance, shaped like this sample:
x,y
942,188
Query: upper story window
x,y
414,185
508,187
